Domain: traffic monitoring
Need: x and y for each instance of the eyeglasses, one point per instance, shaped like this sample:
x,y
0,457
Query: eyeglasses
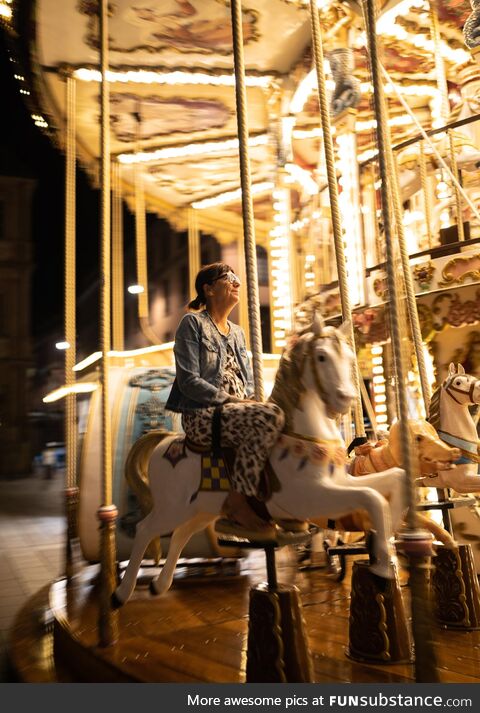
x,y
228,277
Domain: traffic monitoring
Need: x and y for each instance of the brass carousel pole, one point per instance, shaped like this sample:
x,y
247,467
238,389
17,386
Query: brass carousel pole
x,y
407,275
282,604
194,258
107,513
334,206
118,288
415,543
141,247
443,89
243,306
71,491
427,206
247,203
430,143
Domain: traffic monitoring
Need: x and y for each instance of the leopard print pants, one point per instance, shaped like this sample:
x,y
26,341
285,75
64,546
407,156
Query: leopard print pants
x,y
251,428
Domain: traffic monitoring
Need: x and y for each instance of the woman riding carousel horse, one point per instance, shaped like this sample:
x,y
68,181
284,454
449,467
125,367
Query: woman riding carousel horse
x,y
313,387
213,370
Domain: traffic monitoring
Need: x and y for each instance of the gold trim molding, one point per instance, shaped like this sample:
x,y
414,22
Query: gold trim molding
x,y
457,270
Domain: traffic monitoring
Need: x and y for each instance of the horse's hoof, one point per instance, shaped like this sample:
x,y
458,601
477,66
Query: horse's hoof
x,y
115,602
152,590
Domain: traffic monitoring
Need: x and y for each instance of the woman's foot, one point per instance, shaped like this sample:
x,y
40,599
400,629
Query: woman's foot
x,y
241,516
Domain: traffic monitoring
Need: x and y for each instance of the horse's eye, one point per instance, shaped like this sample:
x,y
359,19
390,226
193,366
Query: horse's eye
x,y
321,357
419,439
458,383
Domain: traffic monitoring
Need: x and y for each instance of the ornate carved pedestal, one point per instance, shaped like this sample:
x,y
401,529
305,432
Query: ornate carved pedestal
x,y
378,629
278,649
455,589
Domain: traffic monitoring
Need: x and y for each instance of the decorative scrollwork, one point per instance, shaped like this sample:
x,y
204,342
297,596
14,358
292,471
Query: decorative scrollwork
x,y
459,268
153,379
151,412
368,631
449,587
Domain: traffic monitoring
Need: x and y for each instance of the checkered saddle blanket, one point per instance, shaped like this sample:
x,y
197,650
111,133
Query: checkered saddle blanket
x,y
216,466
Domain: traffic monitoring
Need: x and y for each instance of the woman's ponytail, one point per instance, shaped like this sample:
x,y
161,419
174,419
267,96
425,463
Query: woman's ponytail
x,y
196,304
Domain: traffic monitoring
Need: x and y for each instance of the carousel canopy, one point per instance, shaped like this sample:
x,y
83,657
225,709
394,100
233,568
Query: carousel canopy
x,y
172,99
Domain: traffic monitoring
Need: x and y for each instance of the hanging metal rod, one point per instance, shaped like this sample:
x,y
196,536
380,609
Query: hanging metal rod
x,y
429,132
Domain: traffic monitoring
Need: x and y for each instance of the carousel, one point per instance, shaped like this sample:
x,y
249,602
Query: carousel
x,y
339,141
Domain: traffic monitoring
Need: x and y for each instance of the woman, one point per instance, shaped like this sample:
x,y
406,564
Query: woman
x,y
212,369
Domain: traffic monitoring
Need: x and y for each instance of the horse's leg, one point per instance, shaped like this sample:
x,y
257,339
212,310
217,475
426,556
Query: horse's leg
x,y
179,539
437,531
377,507
145,533
389,483
383,551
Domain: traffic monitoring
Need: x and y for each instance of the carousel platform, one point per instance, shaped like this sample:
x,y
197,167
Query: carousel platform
x,y
197,632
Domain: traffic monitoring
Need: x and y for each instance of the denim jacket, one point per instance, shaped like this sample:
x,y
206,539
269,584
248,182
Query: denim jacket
x,y
200,351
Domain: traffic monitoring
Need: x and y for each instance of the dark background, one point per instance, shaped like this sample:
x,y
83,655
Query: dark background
x,y
27,152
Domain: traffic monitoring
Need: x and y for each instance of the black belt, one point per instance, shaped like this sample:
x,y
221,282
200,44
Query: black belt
x,y
217,432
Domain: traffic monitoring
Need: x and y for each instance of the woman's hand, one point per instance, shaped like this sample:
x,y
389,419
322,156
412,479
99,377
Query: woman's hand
x,y
236,400
233,400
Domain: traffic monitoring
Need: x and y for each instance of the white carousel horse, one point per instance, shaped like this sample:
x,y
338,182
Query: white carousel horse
x,y
431,454
450,415
313,385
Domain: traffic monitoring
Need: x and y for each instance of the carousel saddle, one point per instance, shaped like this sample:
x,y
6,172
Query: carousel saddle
x,y
216,463
216,467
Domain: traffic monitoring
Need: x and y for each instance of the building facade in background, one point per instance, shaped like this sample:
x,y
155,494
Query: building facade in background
x,y
15,333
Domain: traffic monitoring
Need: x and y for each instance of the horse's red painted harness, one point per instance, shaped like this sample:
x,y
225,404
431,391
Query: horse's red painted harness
x,y
448,387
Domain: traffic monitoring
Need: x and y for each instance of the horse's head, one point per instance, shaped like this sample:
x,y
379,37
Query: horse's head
x,y
463,388
328,368
318,360
432,453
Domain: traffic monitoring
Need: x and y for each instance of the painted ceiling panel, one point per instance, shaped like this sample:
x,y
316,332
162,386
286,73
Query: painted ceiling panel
x,y
154,113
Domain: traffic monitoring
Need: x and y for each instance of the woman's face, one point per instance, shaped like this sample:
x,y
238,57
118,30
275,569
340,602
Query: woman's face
x,y
225,291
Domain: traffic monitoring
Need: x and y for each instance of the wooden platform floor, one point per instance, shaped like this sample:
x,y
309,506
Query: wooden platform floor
x,y
197,632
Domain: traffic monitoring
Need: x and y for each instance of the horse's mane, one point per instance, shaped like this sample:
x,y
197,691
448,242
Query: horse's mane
x,y
434,409
288,383
288,386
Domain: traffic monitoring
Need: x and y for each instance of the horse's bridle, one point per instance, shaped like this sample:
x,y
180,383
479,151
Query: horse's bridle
x,y
448,387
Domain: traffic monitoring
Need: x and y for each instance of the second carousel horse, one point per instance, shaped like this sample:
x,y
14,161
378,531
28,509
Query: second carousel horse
x,y
450,415
431,455
313,386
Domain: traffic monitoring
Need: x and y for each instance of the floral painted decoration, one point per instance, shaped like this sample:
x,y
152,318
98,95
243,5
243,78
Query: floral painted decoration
x,y
423,274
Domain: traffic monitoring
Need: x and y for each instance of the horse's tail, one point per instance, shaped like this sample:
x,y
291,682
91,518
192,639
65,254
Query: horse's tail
x,y
136,474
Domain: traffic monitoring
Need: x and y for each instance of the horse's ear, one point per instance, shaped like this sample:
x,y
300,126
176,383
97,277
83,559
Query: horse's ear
x,y
460,369
345,328
451,369
317,324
